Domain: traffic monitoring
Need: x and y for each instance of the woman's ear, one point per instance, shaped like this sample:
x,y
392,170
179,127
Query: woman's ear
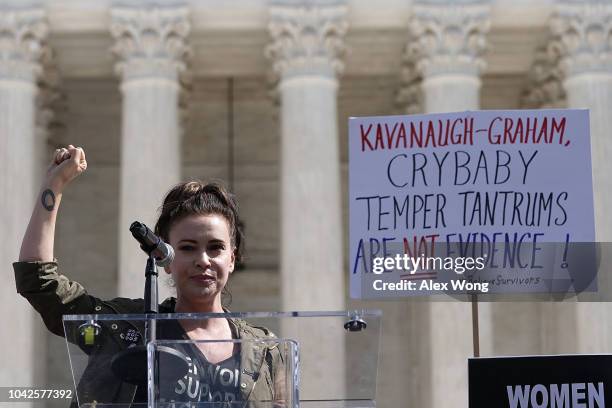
x,y
167,270
233,261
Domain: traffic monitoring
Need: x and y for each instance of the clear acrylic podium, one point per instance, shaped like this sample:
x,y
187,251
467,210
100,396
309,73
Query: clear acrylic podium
x,y
305,359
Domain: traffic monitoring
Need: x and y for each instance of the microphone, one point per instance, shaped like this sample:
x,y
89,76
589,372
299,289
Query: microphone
x,y
152,244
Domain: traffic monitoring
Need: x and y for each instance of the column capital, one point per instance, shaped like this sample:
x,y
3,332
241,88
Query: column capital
x,y
307,38
23,34
448,38
545,79
150,42
584,29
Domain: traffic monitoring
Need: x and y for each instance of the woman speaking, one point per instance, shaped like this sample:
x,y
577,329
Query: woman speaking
x,y
200,221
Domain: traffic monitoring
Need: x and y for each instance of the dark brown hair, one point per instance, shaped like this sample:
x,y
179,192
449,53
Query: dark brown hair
x,y
198,198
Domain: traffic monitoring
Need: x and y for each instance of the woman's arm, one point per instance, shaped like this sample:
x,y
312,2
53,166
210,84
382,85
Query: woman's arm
x,y
67,164
36,276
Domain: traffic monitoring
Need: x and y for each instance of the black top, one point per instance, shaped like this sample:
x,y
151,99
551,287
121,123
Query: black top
x,y
205,381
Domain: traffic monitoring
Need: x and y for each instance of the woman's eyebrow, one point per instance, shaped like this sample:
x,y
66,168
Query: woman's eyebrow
x,y
188,240
193,241
216,240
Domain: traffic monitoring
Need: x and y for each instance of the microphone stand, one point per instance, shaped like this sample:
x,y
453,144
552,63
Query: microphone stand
x,y
150,298
130,364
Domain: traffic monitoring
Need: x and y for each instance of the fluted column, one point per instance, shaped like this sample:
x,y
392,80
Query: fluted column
x,y
446,43
306,54
306,50
23,34
547,327
585,29
150,46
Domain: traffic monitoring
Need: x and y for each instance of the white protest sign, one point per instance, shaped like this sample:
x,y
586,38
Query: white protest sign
x,y
494,178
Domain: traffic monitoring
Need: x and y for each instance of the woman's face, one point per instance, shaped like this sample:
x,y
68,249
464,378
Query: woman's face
x,y
204,258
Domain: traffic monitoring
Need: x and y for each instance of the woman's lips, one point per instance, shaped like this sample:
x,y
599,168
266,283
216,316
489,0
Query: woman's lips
x,y
206,279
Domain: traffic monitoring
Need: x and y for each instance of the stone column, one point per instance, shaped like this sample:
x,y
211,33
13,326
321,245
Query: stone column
x,y
306,50
585,29
306,53
150,45
550,327
23,34
447,42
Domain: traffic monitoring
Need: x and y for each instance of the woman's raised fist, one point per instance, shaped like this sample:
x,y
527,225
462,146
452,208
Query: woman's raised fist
x,y
67,164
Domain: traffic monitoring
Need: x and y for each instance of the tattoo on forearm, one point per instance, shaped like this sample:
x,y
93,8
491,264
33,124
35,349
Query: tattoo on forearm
x,y
48,200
